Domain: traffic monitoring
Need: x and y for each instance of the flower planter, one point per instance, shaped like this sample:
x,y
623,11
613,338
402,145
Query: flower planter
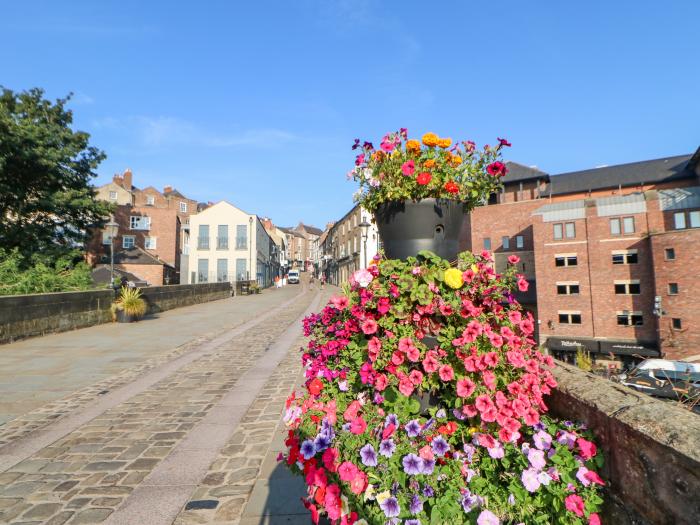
x,y
408,227
123,317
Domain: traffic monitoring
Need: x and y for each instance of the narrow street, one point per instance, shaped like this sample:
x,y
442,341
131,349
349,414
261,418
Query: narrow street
x,y
170,420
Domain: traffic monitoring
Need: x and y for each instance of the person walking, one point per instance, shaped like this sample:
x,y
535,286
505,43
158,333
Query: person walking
x,y
323,280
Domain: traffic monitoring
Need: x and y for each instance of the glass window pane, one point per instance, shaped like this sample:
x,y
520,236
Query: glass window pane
x,y
695,219
615,226
670,254
628,224
564,318
677,323
221,270
634,288
241,269
241,237
632,258
487,243
672,288
203,270
505,242
679,220
571,261
618,258
622,320
575,318
519,241
574,289
570,230
620,289
637,320
559,261
561,289
558,232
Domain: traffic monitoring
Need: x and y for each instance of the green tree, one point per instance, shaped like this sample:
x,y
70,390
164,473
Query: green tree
x,y
47,204
18,276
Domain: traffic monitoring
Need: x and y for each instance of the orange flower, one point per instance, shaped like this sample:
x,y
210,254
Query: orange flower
x,y
413,146
378,155
431,139
430,163
445,143
455,160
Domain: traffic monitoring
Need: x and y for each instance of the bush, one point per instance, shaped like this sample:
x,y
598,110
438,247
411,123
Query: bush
x,y
41,275
131,302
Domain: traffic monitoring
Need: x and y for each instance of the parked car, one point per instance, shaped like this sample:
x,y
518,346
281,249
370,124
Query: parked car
x,y
293,277
664,378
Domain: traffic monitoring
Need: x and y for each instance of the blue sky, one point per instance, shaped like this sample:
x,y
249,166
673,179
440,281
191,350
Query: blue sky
x,y
258,102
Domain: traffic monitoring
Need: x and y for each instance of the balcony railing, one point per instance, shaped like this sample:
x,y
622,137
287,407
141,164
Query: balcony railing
x,y
222,243
202,243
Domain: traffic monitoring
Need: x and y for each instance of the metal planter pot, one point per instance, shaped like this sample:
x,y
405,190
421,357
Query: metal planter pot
x,y
407,227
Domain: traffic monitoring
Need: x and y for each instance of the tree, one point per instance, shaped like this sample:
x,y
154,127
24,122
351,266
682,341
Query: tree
x,y
19,276
47,204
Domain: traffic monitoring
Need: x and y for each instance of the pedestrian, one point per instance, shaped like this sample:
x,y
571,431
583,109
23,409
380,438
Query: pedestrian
x,y
323,280
277,281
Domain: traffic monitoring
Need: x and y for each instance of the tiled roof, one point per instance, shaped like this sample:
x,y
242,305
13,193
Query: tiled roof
x,y
518,172
137,255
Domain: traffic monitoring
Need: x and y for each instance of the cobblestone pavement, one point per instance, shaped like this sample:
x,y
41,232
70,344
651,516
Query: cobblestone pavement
x,y
180,433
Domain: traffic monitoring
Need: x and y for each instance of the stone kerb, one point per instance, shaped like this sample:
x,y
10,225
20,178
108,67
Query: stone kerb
x,y
651,448
29,315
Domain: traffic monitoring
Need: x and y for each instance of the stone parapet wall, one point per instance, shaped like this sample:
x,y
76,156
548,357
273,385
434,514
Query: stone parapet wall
x,y
651,448
24,316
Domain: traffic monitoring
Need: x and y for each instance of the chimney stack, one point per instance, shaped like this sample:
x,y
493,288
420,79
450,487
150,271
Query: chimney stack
x,y
128,179
167,189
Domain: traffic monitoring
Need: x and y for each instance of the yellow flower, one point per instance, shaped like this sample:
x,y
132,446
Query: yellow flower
x,y
445,143
431,139
473,430
383,496
429,163
395,153
453,278
413,146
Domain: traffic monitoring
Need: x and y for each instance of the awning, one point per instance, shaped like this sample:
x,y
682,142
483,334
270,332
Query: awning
x,y
642,348
571,344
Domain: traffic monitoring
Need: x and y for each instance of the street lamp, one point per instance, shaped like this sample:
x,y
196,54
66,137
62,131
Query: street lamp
x,y
365,228
111,228
250,247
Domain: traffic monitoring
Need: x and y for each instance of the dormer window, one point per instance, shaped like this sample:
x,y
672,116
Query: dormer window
x,y
150,200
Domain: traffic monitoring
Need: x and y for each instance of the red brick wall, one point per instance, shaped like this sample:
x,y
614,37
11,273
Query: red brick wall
x,y
164,227
151,273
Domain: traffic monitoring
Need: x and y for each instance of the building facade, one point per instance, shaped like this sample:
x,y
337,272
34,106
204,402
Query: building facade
x,y
603,251
151,222
228,244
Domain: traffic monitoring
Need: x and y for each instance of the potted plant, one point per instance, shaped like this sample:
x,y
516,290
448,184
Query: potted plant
x,y
420,191
129,306
255,287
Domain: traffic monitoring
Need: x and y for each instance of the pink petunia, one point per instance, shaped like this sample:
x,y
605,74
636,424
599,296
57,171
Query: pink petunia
x,y
416,377
358,426
373,347
593,519
446,373
408,167
513,259
369,326
465,387
587,449
347,471
381,382
359,483
406,387
430,363
574,503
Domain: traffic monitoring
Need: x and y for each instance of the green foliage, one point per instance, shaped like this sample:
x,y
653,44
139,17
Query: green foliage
x,y
47,204
41,274
131,302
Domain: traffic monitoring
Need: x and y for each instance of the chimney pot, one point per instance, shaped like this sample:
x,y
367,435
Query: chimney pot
x,y
127,178
167,189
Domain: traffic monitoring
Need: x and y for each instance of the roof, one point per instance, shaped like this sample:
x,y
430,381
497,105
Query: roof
x,y
632,174
518,172
174,192
137,255
311,229
103,275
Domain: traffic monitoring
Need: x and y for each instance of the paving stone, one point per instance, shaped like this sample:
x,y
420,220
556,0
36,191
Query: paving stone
x,y
143,464
104,465
42,511
91,516
60,518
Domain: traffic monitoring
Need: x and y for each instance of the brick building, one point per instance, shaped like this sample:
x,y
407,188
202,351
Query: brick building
x,y
605,252
153,230
302,246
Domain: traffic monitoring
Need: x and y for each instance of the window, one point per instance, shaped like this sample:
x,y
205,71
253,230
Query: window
x,y
565,260
670,254
221,270
203,239
672,288
113,195
694,219
569,317
625,257
128,241
222,237
570,230
627,287
568,288
519,242
241,270
628,224
140,223
487,243
679,220
615,226
183,207
150,243
558,231
676,323
203,270
150,200
505,242
241,237
629,318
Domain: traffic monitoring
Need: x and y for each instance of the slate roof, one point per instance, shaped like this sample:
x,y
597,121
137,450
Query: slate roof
x,y
137,255
631,174
312,229
518,172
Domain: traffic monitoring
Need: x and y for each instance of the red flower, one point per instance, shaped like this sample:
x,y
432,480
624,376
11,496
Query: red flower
x,y
451,187
586,448
497,169
369,326
315,387
503,142
593,519
358,426
424,178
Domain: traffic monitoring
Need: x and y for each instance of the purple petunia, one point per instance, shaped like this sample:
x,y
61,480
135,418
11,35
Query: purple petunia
x,y
412,464
530,480
543,441
413,428
416,504
487,518
415,521
469,474
428,491
428,466
308,449
440,446
469,501
387,447
321,443
469,450
391,419
390,506
368,455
